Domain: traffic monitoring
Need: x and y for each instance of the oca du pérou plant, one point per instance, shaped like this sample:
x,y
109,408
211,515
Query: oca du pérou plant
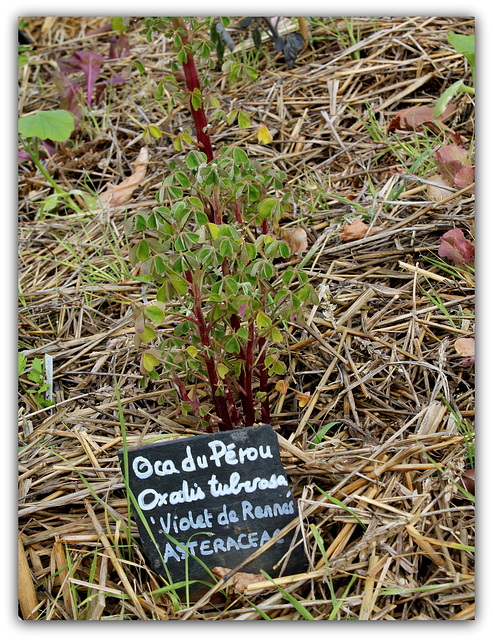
x,y
211,249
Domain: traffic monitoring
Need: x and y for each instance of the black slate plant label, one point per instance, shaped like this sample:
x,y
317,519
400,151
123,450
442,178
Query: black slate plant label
x,y
231,485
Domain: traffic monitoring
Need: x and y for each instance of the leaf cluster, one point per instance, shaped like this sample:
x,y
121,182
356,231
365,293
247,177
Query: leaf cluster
x,y
212,248
37,376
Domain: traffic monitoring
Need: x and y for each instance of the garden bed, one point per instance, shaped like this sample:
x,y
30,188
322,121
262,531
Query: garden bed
x,y
376,427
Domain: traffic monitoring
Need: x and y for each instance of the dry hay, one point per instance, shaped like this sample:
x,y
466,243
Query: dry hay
x,y
376,354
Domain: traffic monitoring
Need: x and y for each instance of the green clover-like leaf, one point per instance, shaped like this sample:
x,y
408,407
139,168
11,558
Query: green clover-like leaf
x,y
156,314
149,361
233,346
263,321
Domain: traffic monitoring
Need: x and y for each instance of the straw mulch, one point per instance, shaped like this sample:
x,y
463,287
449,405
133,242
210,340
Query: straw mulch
x,y
376,355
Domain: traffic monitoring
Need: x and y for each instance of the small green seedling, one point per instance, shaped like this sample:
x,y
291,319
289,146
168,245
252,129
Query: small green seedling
x,y
37,375
22,364
320,435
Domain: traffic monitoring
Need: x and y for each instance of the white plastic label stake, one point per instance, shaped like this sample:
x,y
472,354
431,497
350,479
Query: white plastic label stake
x,y
49,377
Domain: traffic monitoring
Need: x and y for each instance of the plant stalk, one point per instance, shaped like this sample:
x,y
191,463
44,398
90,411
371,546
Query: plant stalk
x,y
263,378
218,397
248,400
193,82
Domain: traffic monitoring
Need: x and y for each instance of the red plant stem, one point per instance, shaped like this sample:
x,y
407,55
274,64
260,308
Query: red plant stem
x,y
183,392
216,205
262,372
232,406
193,82
248,403
236,211
193,401
208,208
219,400
235,325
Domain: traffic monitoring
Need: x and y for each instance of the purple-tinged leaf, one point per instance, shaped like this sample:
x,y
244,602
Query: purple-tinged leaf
x,y
450,159
69,65
105,28
456,247
49,147
70,94
464,177
119,47
71,98
140,323
86,61
242,309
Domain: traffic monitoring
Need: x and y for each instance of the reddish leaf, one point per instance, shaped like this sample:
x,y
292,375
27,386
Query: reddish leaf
x,y
70,95
105,28
464,177
469,480
415,117
466,347
456,247
450,161
242,309
119,47
86,61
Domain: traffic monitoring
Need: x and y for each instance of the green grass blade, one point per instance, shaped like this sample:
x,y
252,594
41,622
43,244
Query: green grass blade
x,y
303,611
341,504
